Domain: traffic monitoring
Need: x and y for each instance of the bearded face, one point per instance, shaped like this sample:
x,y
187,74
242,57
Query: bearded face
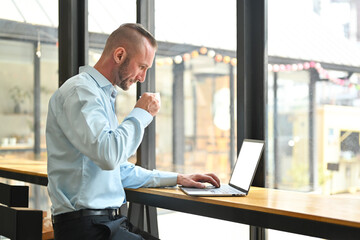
x,y
125,79
134,67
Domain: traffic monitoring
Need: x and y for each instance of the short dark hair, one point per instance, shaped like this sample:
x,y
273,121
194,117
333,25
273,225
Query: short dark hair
x,y
125,35
140,29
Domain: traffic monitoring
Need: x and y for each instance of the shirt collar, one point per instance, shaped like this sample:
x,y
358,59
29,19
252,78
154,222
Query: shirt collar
x,y
102,81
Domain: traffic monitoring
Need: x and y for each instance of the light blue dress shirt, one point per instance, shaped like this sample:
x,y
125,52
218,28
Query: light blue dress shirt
x,y
88,150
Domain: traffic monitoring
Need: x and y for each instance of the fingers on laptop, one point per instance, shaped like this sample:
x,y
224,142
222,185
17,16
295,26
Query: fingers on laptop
x,y
213,179
216,180
197,180
209,178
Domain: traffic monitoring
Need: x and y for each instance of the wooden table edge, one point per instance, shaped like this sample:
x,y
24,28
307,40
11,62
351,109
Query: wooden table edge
x,y
177,193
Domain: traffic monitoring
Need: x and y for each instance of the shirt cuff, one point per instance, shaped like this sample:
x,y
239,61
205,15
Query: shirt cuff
x,y
142,115
167,179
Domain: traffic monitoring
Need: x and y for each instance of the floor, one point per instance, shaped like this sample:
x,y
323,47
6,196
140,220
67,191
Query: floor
x,y
176,226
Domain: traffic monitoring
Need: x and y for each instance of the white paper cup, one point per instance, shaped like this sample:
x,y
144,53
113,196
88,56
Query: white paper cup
x,y
157,96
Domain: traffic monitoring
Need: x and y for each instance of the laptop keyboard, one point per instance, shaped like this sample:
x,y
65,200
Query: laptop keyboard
x,y
225,189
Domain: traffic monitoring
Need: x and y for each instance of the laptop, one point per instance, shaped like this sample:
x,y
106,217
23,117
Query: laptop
x,y
242,174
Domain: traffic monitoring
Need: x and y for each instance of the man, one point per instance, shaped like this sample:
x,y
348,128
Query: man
x,y
88,150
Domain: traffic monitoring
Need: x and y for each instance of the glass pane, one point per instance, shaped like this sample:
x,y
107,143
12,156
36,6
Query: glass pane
x,y
195,72
313,96
38,12
194,81
16,87
107,15
313,106
17,112
197,22
29,76
9,11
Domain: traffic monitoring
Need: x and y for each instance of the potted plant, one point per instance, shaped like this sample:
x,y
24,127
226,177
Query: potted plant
x,y
19,96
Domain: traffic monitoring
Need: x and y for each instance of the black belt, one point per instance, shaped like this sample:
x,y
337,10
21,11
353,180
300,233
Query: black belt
x,y
111,212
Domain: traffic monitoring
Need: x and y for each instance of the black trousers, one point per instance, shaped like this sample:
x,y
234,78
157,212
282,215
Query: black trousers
x,y
99,228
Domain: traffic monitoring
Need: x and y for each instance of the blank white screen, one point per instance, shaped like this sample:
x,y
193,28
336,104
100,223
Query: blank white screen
x,y
246,163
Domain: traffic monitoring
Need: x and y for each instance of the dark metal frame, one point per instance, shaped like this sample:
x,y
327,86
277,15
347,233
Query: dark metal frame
x,y
252,75
73,37
251,82
146,151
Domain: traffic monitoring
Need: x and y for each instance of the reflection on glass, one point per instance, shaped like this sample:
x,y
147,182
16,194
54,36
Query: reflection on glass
x,y
29,76
204,121
17,87
107,15
195,75
194,124
313,92
203,22
16,91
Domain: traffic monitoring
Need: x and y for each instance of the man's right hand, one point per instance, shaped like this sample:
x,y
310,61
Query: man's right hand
x,y
198,180
149,103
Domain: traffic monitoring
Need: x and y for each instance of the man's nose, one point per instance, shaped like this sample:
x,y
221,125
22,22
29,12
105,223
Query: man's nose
x,y
141,77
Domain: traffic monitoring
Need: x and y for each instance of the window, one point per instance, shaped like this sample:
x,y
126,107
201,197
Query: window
x,y
29,75
195,75
195,68
313,97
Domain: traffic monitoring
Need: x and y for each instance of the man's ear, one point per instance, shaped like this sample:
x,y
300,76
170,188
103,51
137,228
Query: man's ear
x,y
119,55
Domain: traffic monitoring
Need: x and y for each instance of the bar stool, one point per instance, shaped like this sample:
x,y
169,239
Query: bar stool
x,y
17,221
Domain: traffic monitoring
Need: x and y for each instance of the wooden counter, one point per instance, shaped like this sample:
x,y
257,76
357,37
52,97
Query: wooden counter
x,y
23,169
330,209
296,212
303,213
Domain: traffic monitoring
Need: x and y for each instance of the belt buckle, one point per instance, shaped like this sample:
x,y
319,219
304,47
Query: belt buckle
x,y
115,212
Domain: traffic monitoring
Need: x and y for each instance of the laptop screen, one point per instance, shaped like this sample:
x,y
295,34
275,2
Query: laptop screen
x,y
245,167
